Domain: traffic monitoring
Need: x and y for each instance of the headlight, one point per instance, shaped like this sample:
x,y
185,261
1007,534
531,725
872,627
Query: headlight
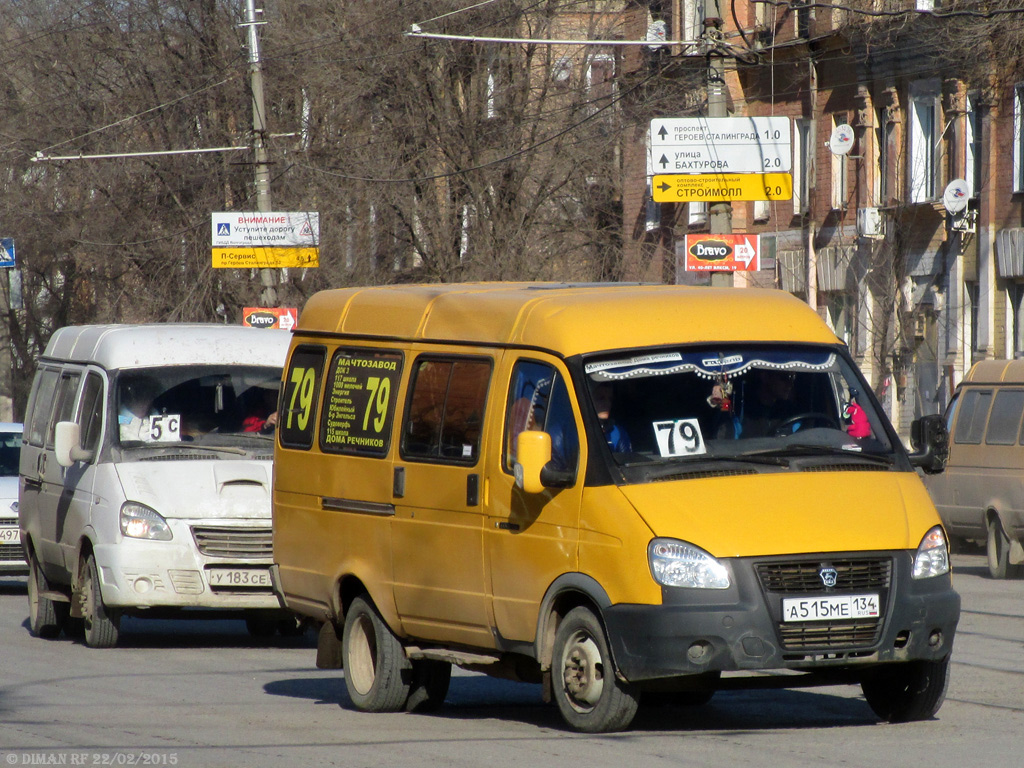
x,y
678,564
140,522
932,558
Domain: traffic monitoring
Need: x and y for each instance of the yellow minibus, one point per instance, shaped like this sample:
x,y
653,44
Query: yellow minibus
x,y
610,490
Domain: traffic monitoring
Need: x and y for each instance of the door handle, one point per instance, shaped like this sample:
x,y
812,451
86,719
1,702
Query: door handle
x,y
34,484
507,526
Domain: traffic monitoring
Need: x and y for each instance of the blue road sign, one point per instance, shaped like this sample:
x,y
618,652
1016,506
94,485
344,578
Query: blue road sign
x,y
6,251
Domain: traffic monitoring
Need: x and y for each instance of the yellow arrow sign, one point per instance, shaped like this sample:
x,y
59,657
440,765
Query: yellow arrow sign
x,y
689,188
256,256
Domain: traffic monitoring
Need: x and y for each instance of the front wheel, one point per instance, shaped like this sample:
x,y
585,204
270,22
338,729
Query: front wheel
x,y
997,547
102,626
46,617
377,673
589,695
909,690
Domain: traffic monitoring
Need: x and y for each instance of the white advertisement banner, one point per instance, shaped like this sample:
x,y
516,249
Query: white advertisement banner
x,y
270,229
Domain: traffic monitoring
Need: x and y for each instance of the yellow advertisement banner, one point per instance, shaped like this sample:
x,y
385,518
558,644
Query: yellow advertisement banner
x,y
245,257
691,188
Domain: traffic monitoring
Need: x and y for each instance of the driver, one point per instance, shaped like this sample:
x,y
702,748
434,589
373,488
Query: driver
x,y
767,404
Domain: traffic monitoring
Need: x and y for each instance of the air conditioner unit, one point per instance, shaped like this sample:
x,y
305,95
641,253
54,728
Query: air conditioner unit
x,y
869,222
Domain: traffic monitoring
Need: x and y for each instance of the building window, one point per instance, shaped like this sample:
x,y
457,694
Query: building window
x,y
802,167
601,78
886,129
803,19
972,297
696,214
924,137
1018,138
972,140
762,210
1014,307
838,171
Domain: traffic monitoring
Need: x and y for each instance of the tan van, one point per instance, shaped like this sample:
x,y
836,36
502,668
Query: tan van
x,y
980,495
610,490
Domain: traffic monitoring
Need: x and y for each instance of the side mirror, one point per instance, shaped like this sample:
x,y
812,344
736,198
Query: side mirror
x,y
930,439
534,470
67,444
533,452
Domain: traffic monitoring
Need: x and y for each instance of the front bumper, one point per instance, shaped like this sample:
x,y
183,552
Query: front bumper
x,y
177,574
741,628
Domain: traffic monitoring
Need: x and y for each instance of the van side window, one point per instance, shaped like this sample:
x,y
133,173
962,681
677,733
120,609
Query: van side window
x,y
539,399
444,420
361,392
299,397
64,404
91,415
1004,421
41,405
970,426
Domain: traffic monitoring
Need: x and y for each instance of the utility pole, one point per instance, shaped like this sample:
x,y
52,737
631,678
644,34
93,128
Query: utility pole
x,y
268,276
719,211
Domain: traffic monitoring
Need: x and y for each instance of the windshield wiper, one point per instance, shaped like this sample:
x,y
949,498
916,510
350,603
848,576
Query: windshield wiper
x,y
809,449
702,462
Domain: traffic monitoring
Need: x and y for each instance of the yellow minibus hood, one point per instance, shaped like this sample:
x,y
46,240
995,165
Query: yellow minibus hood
x,y
789,512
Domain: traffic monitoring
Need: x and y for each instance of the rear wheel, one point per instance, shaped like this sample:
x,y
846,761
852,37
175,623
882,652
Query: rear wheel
x,y
102,626
998,550
377,673
46,617
910,690
589,695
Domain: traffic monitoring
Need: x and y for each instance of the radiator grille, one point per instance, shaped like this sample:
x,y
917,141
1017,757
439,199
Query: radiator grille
x,y
9,552
819,635
805,577
245,543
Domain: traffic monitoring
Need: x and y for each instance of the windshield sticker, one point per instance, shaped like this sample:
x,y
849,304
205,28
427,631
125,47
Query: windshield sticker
x,y
710,363
707,367
634,366
679,437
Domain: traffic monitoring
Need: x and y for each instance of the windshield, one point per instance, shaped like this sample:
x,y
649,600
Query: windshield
x,y
198,405
759,404
10,452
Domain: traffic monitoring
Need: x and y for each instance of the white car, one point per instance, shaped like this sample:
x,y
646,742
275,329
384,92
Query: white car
x,y
12,556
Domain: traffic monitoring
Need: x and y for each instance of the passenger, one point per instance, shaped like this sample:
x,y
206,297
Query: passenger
x,y
263,418
135,406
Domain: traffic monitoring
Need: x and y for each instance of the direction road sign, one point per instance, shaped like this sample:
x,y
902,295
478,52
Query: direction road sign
x,y
720,145
683,188
271,229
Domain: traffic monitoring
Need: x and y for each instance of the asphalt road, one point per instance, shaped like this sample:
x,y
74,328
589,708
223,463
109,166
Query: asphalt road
x,y
204,694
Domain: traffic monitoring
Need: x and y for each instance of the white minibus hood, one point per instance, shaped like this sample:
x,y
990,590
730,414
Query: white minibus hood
x,y
199,489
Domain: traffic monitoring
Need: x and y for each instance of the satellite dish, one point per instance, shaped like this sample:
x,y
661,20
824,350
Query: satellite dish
x,y
841,140
956,195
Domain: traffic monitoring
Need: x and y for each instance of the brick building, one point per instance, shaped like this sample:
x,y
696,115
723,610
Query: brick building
x,y
918,293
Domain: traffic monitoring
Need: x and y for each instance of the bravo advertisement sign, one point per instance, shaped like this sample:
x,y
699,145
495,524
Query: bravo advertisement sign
x,y
270,317
722,253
